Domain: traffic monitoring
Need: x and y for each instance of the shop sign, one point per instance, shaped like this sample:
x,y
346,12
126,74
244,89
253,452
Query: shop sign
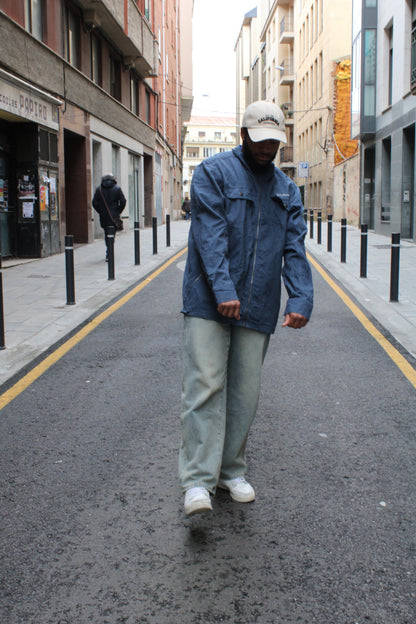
x,y
30,105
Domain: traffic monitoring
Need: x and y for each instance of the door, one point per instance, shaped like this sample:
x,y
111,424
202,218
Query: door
x,y
49,211
158,187
368,212
28,245
7,212
134,188
77,199
408,182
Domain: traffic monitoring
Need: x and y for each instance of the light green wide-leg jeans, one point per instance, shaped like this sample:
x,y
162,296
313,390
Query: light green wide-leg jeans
x,y
220,392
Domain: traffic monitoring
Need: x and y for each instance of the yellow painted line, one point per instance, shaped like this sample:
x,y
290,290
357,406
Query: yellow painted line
x,y
408,371
51,359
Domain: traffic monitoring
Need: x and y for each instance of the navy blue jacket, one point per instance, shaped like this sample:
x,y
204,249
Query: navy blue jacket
x,y
247,232
114,197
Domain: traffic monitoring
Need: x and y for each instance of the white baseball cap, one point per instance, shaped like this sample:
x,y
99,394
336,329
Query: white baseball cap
x,y
264,121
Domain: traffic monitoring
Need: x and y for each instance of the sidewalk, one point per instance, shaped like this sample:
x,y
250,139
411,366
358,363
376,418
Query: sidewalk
x,y
373,292
34,291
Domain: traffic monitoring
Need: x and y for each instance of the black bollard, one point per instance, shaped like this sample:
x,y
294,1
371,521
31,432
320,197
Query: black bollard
x,y
2,341
69,270
311,223
343,240
110,249
167,230
364,245
319,227
329,236
154,225
395,264
136,243
305,216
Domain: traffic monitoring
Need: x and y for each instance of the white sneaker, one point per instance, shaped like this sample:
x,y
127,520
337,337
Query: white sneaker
x,y
240,490
197,500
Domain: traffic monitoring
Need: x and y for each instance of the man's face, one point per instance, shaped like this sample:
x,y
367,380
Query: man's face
x,y
263,152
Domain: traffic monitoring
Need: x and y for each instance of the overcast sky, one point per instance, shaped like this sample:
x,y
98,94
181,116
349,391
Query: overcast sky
x,y
216,25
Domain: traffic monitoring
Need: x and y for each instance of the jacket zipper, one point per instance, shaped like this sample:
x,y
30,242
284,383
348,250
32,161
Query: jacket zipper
x,y
255,255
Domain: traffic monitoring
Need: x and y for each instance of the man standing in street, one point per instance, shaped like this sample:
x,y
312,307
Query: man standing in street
x,y
247,232
109,202
186,207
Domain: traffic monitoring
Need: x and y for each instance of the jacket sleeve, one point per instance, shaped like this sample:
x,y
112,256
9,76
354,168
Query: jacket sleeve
x,y
297,275
209,230
121,201
96,201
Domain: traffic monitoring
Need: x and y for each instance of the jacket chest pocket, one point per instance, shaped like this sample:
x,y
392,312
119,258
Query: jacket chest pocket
x,y
240,204
278,210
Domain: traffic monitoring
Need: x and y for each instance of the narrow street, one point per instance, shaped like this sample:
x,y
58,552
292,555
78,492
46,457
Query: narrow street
x,y
92,522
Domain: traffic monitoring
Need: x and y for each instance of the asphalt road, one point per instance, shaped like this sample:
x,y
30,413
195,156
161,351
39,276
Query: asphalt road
x,y
92,523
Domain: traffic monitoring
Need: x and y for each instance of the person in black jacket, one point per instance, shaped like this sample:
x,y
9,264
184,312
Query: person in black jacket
x,y
108,192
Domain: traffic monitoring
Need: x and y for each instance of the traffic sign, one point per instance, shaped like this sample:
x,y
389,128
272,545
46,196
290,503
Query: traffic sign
x,y
303,169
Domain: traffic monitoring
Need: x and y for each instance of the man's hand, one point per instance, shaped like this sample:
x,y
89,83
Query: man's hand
x,y
295,320
230,309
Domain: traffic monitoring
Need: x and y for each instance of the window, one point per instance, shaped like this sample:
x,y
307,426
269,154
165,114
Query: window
x,y
385,180
71,39
33,18
201,135
413,53
390,66
96,67
147,8
312,26
48,146
115,161
192,152
209,151
321,74
217,136
115,78
370,72
147,110
134,95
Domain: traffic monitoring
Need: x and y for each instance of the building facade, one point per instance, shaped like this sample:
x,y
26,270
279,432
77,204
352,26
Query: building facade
x,y
248,65
85,89
301,44
205,136
383,112
186,38
323,38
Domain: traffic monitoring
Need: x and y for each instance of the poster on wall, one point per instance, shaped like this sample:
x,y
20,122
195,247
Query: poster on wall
x,y
28,210
42,198
26,185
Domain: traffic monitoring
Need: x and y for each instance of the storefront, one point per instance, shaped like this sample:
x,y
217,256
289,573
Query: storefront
x,y
29,206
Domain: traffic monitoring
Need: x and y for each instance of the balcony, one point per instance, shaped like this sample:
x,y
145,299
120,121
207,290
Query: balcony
x,y
286,157
287,72
287,34
122,23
